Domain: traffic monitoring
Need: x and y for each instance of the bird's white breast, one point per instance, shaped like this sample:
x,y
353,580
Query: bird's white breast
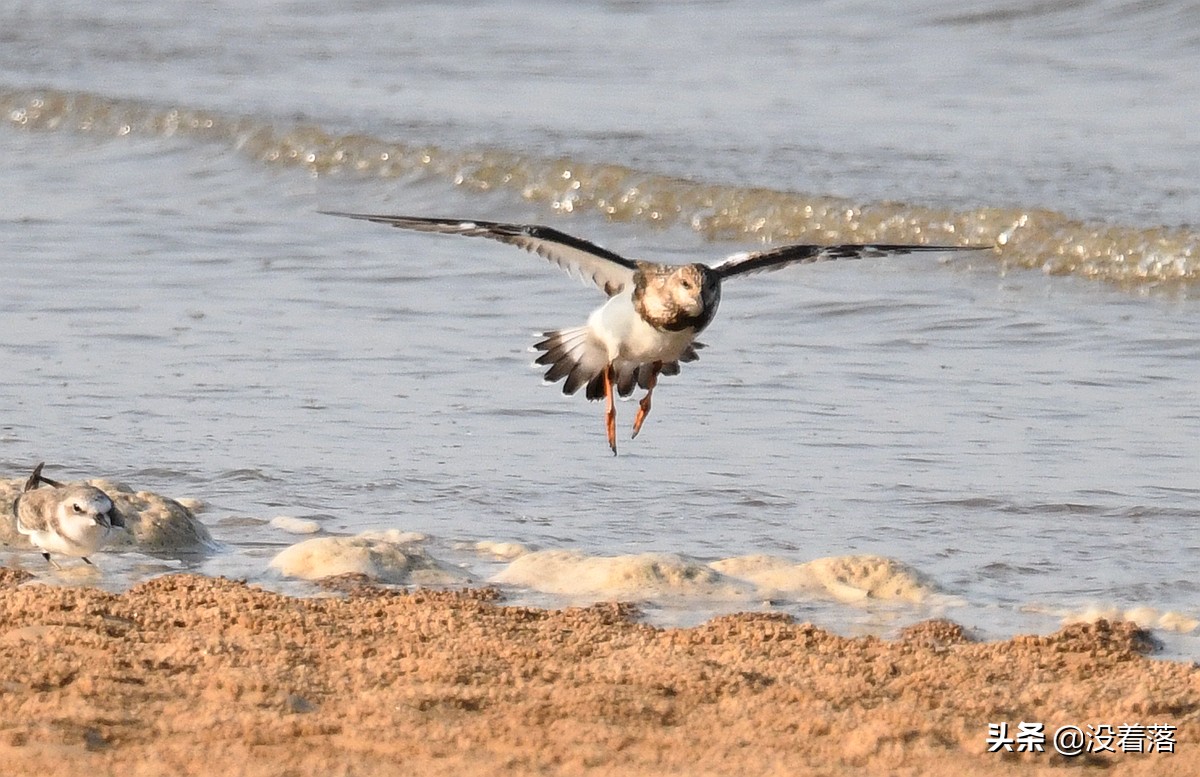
x,y
628,338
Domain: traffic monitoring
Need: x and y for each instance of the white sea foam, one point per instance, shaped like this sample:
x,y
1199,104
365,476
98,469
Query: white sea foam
x,y
387,557
1146,617
293,525
153,522
395,536
845,578
192,503
502,551
643,576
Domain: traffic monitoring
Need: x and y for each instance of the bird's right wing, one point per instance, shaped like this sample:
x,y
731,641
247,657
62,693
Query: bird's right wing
x,y
611,272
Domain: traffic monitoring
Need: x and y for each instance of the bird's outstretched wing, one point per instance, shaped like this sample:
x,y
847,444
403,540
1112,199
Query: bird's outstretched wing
x,y
776,258
611,272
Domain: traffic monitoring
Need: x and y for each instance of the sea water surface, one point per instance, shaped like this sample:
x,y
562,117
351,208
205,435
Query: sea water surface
x,y
1008,438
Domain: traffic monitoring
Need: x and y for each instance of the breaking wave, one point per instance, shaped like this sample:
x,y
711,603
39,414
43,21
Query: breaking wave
x,y
1136,257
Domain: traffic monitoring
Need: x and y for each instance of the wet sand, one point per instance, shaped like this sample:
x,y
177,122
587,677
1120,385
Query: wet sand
x,y
193,675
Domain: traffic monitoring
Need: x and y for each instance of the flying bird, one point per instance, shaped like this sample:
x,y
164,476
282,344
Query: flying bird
x,y
654,312
71,519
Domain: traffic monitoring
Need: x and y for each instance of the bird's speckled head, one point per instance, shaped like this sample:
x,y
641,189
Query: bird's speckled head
x,y
676,297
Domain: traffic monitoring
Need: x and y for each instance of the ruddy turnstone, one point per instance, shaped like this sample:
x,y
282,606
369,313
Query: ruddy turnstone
x,y
70,519
654,311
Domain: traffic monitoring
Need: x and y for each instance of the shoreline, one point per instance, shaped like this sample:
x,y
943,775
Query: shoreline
x,y
193,675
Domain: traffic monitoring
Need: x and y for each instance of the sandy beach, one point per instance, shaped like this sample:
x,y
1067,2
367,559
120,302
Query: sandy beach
x,y
193,675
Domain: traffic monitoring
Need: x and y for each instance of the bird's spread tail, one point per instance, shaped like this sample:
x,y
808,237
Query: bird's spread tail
x,y
577,356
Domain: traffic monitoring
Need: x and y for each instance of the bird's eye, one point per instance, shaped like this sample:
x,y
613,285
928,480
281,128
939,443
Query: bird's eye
x,y
76,507
686,284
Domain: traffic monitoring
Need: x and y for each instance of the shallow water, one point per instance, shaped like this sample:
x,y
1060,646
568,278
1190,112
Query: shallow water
x,y
178,317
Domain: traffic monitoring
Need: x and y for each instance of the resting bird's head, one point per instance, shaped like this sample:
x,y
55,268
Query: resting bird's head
x,y
83,507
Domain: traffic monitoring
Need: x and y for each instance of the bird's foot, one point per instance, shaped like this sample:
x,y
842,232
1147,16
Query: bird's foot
x,y
642,412
610,409
644,405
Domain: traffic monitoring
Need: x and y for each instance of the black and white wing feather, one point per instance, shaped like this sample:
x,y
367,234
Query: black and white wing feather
x,y
777,258
611,272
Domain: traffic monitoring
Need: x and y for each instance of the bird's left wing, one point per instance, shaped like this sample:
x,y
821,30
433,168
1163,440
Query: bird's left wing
x,y
33,509
611,272
776,258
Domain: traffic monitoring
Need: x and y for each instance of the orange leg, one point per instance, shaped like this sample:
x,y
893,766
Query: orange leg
x,y
644,405
610,409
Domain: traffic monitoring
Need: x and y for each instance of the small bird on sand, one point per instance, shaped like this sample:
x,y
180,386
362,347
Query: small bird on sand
x,y
71,519
654,311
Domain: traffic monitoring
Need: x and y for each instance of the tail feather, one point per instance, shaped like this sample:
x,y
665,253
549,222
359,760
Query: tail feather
x,y
627,379
578,359
575,355
559,370
690,354
585,373
595,387
557,347
671,368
